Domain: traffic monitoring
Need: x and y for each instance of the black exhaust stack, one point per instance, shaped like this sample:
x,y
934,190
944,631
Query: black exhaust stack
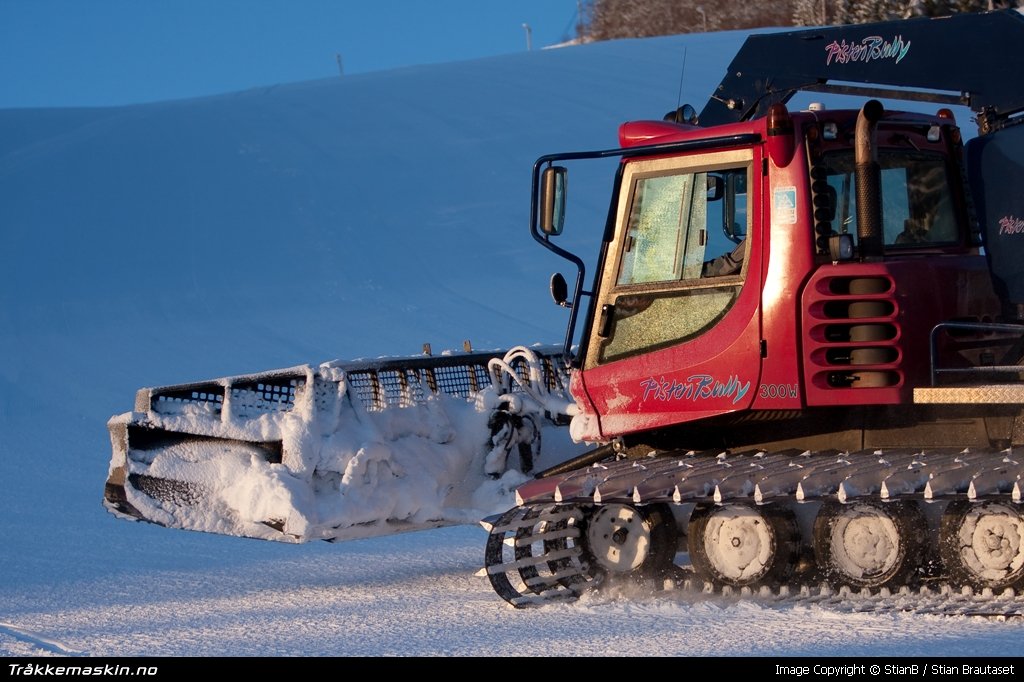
x,y
869,181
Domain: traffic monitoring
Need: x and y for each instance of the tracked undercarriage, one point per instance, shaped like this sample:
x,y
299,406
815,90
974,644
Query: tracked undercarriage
x,y
863,529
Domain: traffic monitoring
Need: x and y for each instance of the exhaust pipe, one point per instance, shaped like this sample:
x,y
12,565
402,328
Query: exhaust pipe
x,y
869,180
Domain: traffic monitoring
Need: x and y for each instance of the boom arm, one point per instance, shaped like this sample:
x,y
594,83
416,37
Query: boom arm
x,y
939,56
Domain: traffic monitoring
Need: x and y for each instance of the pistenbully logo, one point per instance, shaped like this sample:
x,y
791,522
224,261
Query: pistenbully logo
x,y
867,50
1011,225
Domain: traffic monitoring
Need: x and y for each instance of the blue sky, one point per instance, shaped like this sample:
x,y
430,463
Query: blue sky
x,y
59,53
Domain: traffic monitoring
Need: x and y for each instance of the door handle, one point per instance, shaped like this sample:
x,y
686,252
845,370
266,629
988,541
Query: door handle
x,y
604,324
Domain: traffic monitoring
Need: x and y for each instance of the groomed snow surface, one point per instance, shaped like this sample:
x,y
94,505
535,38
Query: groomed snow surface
x,y
347,218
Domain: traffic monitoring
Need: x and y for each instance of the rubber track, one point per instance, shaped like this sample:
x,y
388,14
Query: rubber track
x,y
935,599
933,473
939,599
535,554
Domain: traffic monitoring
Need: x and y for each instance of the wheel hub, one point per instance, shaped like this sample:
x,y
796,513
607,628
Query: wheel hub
x,y
867,542
992,536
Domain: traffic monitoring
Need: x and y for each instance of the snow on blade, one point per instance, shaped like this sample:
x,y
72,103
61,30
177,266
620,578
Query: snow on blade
x,y
305,454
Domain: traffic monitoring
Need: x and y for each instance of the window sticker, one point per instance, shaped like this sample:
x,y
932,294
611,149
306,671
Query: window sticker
x,y
784,206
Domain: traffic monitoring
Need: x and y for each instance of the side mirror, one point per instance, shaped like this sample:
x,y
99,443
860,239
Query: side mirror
x,y
736,206
560,290
552,200
716,187
840,247
684,114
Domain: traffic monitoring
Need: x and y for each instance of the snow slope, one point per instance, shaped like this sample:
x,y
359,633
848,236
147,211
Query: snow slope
x,y
345,218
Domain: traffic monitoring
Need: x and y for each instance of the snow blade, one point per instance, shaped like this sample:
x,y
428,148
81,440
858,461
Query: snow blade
x,y
341,451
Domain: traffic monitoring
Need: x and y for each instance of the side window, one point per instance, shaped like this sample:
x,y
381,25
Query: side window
x,y
685,226
681,254
930,217
667,230
917,207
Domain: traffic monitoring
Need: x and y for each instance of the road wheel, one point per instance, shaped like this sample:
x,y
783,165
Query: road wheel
x,y
742,545
632,541
982,544
869,544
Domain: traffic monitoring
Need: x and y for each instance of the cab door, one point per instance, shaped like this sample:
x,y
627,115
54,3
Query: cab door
x,y
676,333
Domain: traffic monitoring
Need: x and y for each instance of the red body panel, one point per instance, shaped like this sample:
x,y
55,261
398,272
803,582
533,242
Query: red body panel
x,y
788,261
920,292
714,374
